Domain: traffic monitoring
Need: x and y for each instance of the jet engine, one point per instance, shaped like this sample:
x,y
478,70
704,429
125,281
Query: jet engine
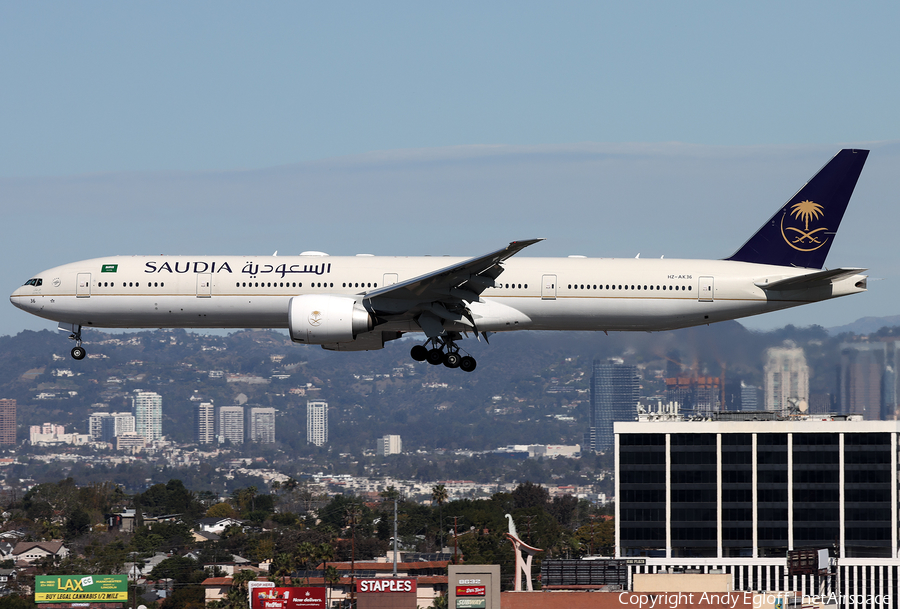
x,y
316,319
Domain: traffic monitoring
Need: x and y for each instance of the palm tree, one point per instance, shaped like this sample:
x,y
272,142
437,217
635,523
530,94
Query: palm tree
x,y
282,566
439,496
307,555
332,578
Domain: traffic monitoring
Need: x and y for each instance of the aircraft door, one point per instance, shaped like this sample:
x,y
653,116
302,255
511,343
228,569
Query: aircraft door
x,y
705,291
390,279
548,287
83,285
204,285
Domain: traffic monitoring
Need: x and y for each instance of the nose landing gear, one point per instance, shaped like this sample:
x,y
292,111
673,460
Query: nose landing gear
x,y
443,350
78,351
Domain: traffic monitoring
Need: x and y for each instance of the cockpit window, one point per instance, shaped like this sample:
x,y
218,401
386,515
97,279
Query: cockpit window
x,y
35,282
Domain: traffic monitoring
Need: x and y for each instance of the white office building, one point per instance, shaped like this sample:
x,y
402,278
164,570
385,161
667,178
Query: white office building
x,y
147,410
317,422
389,445
230,424
261,425
205,423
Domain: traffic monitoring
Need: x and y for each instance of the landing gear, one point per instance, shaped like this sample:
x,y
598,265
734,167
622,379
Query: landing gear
x,y
78,351
443,350
451,359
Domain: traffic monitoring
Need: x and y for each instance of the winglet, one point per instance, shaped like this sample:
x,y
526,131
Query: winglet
x,y
801,232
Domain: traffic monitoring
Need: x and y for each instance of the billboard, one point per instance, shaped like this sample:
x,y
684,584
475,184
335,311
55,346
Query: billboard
x,y
288,598
386,584
81,589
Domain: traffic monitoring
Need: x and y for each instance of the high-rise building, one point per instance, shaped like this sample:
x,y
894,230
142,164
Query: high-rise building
x,y
7,421
614,396
261,425
868,383
316,422
106,426
147,409
749,397
737,491
700,394
389,445
205,423
786,381
230,424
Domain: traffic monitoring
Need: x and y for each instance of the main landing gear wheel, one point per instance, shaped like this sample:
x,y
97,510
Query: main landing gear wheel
x,y
443,350
451,359
78,353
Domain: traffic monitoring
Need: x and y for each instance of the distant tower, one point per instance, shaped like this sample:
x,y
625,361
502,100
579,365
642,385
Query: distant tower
x,y
749,397
7,421
389,445
786,377
230,424
261,425
317,422
147,409
868,383
614,397
205,423
107,426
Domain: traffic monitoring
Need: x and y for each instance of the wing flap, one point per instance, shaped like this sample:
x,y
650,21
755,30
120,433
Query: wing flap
x,y
454,283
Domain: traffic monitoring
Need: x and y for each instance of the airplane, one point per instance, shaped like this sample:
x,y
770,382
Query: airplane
x,y
358,303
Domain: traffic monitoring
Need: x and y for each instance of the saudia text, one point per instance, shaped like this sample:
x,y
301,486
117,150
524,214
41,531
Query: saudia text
x,y
250,268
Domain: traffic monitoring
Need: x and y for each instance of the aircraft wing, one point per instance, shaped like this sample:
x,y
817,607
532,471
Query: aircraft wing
x,y
810,280
451,285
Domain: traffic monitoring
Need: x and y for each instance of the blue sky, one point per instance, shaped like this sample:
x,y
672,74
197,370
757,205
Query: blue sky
x,y
413,128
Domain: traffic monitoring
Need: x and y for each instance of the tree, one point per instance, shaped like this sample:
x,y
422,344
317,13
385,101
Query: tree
x,y
439,495
221,510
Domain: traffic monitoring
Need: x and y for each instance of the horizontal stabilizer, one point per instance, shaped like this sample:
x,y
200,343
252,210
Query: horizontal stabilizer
x,y
810,280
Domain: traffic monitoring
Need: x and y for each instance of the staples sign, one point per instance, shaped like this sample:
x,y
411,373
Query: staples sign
x,y
386,584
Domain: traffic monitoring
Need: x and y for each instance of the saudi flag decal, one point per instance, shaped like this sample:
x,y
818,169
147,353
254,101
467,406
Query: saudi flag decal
x,y
109,268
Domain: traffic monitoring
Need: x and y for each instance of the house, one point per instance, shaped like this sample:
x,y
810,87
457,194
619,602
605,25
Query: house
x,y
201,536
5,576
27,552
218,525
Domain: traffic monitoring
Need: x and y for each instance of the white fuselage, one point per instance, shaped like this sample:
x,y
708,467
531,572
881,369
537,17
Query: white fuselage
x,y
530,294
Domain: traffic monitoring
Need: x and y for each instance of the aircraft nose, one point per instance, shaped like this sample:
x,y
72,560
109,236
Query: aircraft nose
x,y
18,299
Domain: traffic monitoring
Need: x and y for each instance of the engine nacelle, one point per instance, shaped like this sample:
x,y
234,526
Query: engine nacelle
x,y
316,319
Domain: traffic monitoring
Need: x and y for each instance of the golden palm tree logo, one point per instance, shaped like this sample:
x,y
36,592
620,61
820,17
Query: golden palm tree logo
x,y
804,210
804,240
